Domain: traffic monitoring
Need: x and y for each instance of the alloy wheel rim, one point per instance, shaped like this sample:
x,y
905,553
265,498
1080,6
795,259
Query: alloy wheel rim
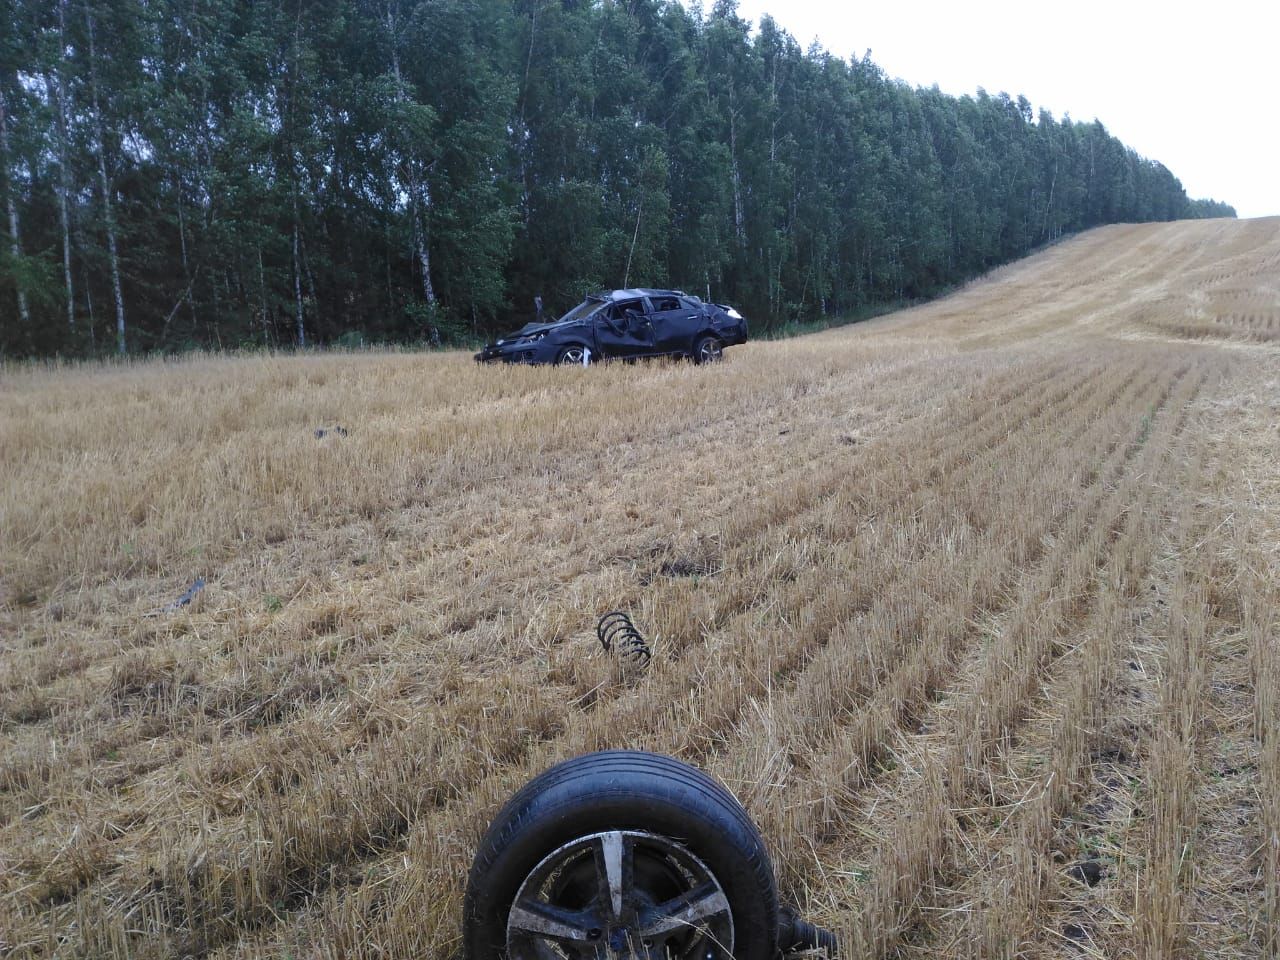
x,y
620,894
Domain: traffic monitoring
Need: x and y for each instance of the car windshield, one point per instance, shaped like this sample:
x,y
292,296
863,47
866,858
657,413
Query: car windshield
x,y
581,310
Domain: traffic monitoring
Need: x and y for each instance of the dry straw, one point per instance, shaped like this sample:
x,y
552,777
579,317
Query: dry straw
x,y
974,607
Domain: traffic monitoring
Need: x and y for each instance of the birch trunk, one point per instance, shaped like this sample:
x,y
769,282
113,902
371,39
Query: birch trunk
x,y
88,307
182,239
419,196
737,176
109,215
420,241
64,192
64,172
262,299
297,275
15,237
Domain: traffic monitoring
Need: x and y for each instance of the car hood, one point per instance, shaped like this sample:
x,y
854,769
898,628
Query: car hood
x,y
529,329
532,329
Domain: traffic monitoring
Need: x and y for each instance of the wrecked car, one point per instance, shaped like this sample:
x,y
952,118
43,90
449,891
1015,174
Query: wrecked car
x,y
625,325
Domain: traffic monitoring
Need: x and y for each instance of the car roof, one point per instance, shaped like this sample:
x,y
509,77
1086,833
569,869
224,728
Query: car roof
x,y
635,292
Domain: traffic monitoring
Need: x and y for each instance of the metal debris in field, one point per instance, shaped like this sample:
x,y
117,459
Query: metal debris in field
x,y
322,432
617,632
183,600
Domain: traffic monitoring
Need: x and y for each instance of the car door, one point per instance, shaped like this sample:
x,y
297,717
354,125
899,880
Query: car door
x,y
623,329
675,323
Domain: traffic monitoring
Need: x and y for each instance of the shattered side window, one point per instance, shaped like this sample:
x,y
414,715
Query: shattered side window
x,y
619,310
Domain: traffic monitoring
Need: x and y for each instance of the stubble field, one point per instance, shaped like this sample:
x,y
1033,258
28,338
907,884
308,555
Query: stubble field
x,y
975,608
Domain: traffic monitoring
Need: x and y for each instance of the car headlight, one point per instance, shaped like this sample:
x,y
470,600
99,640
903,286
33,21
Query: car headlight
x,y
734,314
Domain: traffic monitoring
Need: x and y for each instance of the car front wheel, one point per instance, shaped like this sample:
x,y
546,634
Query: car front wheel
x,y
708,350
570,357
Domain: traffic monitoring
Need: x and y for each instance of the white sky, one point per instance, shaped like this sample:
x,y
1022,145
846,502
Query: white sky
x,y
1196,88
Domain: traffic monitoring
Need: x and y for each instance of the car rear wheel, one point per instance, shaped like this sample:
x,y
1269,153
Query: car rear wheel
x,y
708,350
570,357
621,854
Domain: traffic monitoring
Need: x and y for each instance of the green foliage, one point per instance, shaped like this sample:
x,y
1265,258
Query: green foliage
x,y
350,340
419,170
1209,209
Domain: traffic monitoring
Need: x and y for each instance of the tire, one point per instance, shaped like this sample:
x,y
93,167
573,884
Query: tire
x,y
570,356
707,350
544,873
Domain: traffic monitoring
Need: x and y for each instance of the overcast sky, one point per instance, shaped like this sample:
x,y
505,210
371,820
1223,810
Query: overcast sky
x,y
1195,87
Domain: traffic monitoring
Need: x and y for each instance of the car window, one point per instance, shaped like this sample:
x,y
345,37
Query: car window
x,y
618,312
665,303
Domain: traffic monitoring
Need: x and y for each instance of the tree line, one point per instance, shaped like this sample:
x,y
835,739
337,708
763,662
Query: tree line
x,y
223,173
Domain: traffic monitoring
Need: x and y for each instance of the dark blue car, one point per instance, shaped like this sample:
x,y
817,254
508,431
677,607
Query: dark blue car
x,y
625,325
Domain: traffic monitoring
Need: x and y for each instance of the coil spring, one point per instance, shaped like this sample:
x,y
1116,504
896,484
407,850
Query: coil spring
x,y
616,630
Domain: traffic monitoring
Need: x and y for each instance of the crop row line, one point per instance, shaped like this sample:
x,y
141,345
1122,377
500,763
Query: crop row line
x,y
1052,597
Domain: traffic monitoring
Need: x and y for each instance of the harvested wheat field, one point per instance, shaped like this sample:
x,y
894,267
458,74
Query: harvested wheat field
x,y
975,608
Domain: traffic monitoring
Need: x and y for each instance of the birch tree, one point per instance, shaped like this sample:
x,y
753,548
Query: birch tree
x,y
108,214
55,83
11,208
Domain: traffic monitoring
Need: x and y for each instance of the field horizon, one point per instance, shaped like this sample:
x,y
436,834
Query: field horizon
x,y
974,606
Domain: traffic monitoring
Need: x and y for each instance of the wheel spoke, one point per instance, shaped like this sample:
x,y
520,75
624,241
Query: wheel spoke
x,y
552,923
614,849
686,910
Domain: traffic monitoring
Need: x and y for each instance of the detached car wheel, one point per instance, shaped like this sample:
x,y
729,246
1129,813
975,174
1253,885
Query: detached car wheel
x,y
708,350
621,854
